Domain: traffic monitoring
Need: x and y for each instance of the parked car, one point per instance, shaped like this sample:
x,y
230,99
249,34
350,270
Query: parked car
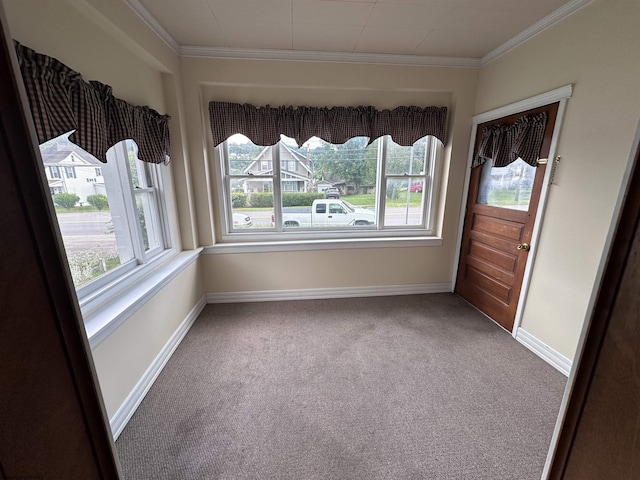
x,y
332,192
240,220
416,188
326,213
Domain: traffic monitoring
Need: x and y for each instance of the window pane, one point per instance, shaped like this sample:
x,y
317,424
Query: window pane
x,y
246,158
506,187
253,209
89,210
344,174
407,160
404,201
147,216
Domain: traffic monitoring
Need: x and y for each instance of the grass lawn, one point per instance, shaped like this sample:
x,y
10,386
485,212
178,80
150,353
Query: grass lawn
x,y
508,197
84,208
369,200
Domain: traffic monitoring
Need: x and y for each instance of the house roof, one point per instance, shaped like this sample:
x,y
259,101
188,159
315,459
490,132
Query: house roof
x,y
284,149
59,152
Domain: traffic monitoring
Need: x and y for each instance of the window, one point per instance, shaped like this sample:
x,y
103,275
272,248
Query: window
x,y
110,224
54,172
70,172
389,188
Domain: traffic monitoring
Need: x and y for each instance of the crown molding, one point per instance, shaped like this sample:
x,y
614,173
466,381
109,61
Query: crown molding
x,y
528,33
151,21
317,56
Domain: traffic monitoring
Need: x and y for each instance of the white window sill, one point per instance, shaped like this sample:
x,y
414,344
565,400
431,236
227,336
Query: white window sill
x,y
101,321
322,244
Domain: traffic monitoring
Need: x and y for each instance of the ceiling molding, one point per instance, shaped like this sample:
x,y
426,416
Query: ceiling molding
x,y
151,21
528,33
336,57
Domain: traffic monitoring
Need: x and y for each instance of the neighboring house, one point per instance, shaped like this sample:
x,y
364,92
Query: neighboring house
x,y
294,167
70,169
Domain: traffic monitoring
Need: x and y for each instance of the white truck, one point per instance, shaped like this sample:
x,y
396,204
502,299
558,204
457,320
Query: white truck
x,y
326,213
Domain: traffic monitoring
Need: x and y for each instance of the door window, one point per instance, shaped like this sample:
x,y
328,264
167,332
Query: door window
x,y
506,187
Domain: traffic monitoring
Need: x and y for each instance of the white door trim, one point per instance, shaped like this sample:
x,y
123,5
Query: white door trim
x,y
561,95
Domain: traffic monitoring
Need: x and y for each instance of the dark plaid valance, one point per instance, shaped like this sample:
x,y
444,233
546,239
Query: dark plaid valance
x,y
61,101
505,144
264,125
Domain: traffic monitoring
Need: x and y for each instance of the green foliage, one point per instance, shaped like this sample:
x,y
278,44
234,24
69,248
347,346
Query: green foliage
x,y
352,161
393,191
98,200
66,200
143,224
238,199
241,155
261,200
299,199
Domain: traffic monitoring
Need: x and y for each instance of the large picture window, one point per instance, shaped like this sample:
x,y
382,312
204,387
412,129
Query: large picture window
x,y
110,214
325,190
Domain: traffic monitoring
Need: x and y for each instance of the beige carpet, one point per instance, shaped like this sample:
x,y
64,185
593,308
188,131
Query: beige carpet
x,y
407,387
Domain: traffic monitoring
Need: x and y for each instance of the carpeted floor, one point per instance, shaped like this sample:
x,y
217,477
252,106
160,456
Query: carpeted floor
x,y
408,387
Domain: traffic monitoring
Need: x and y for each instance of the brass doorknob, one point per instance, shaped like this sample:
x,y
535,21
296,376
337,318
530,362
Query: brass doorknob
x,y
524,246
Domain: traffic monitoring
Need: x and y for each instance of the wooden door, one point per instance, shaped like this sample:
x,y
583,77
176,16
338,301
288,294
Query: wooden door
x,y
501,211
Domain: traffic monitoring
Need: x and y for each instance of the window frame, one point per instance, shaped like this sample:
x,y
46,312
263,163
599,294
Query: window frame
x,y
425,231
103,288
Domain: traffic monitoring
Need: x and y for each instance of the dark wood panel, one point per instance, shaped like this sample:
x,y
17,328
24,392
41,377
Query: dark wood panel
x,y
600,434
52,422
498,227
490,285
503,261
500,275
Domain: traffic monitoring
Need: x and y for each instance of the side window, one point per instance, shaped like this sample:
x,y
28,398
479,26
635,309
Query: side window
x,y
321,208
336,208
109,213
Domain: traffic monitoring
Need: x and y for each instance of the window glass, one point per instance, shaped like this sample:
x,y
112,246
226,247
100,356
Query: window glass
x,y
506,187
326,187
108,213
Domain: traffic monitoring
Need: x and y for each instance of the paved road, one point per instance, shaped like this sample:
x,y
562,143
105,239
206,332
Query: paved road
x,y
394,216
87,231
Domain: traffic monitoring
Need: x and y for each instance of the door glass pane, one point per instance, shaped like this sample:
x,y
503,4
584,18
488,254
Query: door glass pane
x,y
506,187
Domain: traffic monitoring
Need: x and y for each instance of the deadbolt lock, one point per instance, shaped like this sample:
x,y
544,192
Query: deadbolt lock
x,y
524,246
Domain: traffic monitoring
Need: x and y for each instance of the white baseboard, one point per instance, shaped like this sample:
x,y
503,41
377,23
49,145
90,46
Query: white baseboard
x,y
544,351
133,400
321,293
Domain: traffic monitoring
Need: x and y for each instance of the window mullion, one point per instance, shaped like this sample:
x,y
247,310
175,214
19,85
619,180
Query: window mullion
x,y
381,181
128,196
277,187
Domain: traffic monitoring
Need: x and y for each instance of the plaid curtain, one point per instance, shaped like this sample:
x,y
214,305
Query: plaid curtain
x,y
505,144
263,125
60,101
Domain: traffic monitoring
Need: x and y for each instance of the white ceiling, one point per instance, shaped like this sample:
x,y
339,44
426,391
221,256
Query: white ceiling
x,y
469,29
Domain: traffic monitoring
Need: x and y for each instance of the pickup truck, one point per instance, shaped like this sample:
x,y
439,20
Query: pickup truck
x,y
326,213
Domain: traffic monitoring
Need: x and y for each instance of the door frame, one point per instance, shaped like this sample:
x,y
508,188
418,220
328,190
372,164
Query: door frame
x,y
560,95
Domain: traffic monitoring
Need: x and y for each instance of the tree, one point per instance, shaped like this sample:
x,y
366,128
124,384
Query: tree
x,y
66,200
98,200
352,161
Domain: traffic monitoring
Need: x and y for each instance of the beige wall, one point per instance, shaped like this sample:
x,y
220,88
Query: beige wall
x,y
326,84
123,357
121,51
596,50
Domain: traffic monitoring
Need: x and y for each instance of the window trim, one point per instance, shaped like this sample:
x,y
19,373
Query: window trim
x,y
301,236
108,286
